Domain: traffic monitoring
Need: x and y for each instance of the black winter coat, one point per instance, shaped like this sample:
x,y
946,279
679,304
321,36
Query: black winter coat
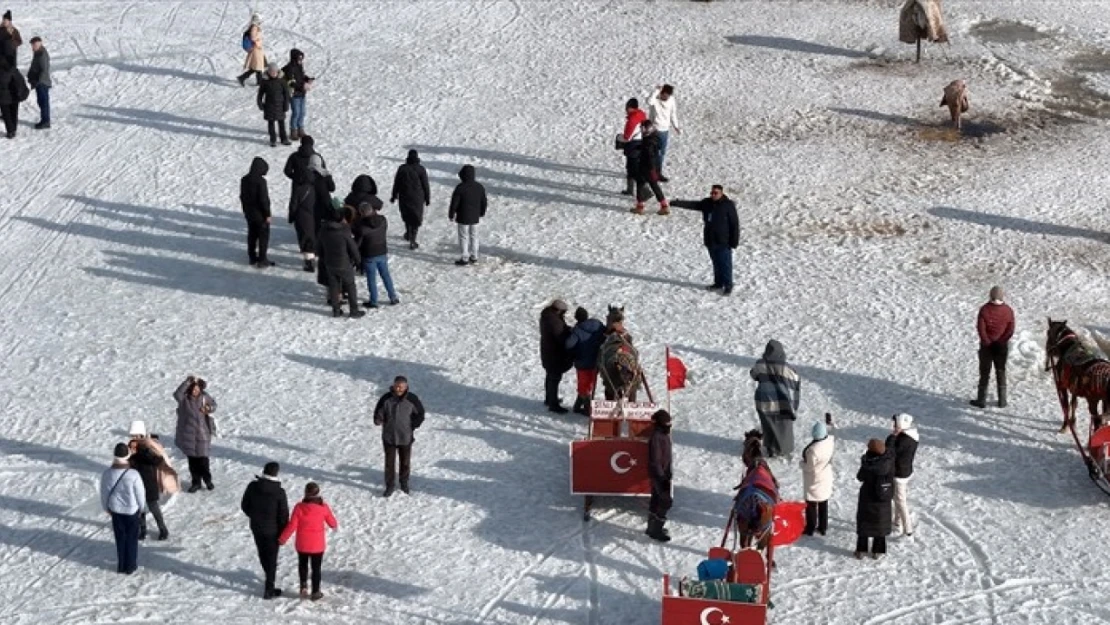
x,y
337,249
294,76
370,236
254,195
13,89
905,448
8,46
146,462
720,223
554,332
399,417
410,186
274,98
873,511
468,202
649,158
296,166
659,457
363,189
265,503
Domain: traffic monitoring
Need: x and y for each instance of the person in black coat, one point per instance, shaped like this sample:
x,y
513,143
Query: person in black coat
x,y
146,462
660,472
903,440
554,356
13,90
339,256
303,197
299,82
363,189
254,195
468,206
265,504
274,100
410,186
720,234
647,171
876,474
370,234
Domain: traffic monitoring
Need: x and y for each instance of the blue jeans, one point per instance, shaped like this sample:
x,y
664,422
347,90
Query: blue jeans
x,y
721,255
296,121
381,265
663,136
42,92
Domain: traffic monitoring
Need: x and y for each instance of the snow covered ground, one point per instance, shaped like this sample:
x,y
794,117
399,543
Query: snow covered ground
x,y
869,238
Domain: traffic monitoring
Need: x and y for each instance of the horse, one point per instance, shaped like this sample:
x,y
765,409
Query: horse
x,y
618,359
753,507
1078,372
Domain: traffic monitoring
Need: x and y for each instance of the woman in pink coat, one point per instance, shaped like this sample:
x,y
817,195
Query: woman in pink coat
x,y
308,521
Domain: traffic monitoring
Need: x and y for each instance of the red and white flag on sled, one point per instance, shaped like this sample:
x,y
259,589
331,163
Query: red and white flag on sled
x,y
676,372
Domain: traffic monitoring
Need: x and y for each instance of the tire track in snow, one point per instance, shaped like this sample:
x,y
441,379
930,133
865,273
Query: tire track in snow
x,y
591,567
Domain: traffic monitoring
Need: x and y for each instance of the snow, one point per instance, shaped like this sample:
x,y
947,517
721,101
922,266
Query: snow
x,y
869,238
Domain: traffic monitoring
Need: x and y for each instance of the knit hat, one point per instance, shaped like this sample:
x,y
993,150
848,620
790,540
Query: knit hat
x,y
271,469
661,417
307,140
413,157
819,430
273,67
560,305
138,428
903,421
121,451
8,15
876,447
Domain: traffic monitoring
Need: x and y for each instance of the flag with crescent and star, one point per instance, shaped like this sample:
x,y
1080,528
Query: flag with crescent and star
x,y
676,372
609,467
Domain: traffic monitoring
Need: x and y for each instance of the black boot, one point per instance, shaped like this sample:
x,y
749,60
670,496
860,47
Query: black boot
x,y
582,406
981,399
630,187
1001,395
655,529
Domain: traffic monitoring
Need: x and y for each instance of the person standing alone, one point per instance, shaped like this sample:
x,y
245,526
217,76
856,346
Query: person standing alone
x,y
663,112
720,234
38,76
265,504
256,57
996,327
399,413
661,473
777,397
410,186
193,435
468,207
123,497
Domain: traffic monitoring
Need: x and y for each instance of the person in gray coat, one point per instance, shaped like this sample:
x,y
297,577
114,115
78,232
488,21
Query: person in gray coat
x,y
123,497
194,428
399,413
38,76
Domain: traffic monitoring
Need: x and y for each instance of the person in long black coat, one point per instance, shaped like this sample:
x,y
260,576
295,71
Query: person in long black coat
x,y
410,186
265,504
303,198
554,355
274,100
363,189
660,472
339,256
254,195
13,90
468,206
876,491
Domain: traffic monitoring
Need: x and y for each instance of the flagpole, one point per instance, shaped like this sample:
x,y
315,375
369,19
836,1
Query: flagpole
x,y
667,369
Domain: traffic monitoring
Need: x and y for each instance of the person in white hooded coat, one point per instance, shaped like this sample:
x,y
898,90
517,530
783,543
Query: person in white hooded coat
x,y
817,478
903,440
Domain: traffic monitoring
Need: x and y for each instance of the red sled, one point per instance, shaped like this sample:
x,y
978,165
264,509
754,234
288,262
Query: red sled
x,y
748,567
613,459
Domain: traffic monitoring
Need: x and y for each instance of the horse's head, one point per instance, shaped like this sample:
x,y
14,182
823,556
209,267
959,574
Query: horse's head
x,y
1058,332
753,448
615,315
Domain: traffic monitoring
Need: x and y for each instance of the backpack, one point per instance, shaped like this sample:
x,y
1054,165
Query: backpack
x,y
248,45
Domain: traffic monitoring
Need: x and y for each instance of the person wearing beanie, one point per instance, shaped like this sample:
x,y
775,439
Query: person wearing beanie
x,y
123,497
554,355
903,440
817,478
995,326
660,471
38,76
399,413
149,458
274,100
583,345
873,509
265,504
10,39
410,188
256,56
300,84
777,397
309,521
647,174
468,207
629,142
195,426
720,234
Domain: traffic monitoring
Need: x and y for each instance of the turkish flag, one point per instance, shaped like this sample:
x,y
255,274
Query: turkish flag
x,y
611,466
676,372
790,522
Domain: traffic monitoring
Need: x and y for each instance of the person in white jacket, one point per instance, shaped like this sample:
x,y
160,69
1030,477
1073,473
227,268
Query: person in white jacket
x,y
123,497
663,113
817,478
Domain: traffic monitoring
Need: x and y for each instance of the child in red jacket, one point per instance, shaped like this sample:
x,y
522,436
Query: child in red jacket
x,y
308,520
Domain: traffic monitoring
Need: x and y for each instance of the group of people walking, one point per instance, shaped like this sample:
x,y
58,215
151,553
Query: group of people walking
x,y
13,88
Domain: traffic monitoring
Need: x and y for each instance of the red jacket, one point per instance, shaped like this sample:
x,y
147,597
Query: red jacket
x,y
996,323
308,522
632,124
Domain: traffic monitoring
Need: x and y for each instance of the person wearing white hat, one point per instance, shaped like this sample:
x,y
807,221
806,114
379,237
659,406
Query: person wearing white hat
x,y
903,440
